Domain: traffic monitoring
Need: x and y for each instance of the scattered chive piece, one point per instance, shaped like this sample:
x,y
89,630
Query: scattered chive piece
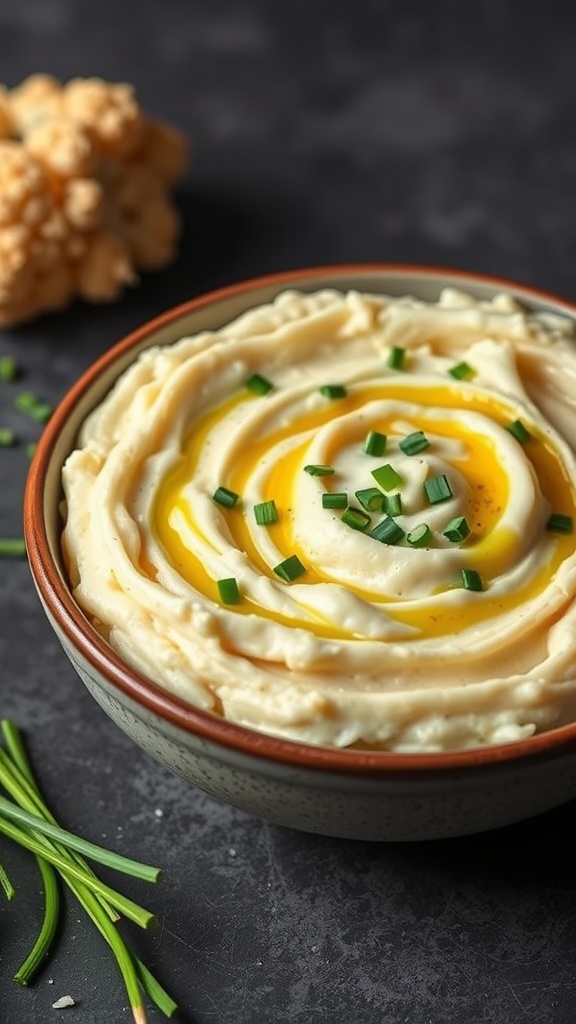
x,y
266,513
228,590
387,477
462,371
12,547
333,391
334,499
396,358
457,529
387,531
559,523
437,489
7,437
471,580
258,384
36,409
374,443
290,569
392,504
8,368
414,443
224,496
420,536
519,431
370,498
356,518
319,470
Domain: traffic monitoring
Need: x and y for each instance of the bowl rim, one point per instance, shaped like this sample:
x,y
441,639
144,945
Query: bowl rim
x,y
206,726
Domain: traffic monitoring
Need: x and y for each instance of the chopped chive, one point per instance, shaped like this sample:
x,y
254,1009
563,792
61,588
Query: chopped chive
x,y
437,489
396,358
559,523
31,449
7,437
387,531
333,391
392,504
414,443
33,406
519,431
462,371
370,498
387,477
224,496
471,580
266,513
290,569
356,518
374,443
420,536
319,470
258,384
8,368
12,547
457,529
228,590
334,499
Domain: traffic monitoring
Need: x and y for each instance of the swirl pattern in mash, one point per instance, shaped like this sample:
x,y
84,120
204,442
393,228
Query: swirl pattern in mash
x,y
412,584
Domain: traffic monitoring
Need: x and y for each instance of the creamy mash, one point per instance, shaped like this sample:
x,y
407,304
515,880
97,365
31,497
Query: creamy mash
x,y
344,519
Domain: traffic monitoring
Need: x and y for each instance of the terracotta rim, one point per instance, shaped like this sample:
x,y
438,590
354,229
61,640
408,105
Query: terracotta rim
x,y
174,711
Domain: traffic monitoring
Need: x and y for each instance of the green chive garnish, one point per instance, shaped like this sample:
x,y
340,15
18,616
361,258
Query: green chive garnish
x,y
392,504
224,496
334,499
12,547
228,590
319,470
31,449
471,580
414,443
387,531
7,437
266,513
559,523
333,391
8,368
258,384
370,498
420,536
462,371
290,569
387,477
374,443
457,529
356,518
396,358
437,489
33,406
519,431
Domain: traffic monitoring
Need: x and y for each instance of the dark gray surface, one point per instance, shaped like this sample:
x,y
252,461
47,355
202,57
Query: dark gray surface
x,y
322,132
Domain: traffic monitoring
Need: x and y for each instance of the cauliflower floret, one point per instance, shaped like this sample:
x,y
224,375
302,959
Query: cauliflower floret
x,y
84,193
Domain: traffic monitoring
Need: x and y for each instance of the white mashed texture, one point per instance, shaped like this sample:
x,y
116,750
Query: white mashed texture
x,y
375,642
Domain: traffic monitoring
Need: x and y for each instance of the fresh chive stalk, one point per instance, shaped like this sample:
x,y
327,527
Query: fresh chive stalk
x,y
225,497
228,590
420,536
290,569
437,489
266,513
387,531
334,499
414,443
471,580
519,431
370,498
6,883
333,390
558,523
457,529
397,358
462,371
374,443
356,518
387,477
317,469
258,384
12,547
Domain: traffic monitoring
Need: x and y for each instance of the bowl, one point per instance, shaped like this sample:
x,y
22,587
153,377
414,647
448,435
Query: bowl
x,y
347,793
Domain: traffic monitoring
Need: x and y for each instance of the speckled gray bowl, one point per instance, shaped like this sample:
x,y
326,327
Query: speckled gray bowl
x,y
361,795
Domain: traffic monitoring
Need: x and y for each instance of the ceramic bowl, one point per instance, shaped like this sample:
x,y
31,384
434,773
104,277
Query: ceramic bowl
x,y
342,793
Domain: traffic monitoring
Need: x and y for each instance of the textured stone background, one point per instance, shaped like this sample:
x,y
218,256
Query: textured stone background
x,y
322,132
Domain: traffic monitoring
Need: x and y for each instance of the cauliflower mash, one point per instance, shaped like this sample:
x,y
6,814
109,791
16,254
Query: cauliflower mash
x,y
343,519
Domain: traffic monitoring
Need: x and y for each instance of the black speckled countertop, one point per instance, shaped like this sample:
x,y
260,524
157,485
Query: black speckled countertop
x,y
322,132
